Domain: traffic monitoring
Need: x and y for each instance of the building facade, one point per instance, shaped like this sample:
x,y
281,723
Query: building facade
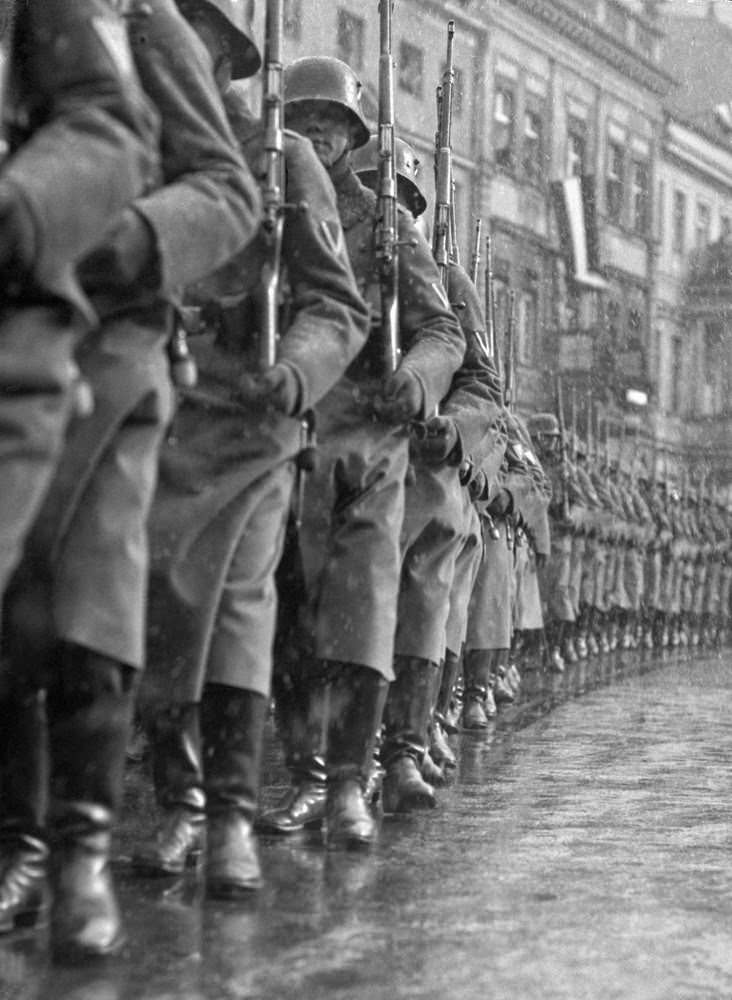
x,y
546,91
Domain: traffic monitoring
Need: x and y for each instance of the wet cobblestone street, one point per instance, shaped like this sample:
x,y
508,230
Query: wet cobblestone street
x,y
584,850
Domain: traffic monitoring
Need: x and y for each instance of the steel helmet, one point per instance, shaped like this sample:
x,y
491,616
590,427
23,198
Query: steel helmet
x,y
366,164
543,423
245,56
324,78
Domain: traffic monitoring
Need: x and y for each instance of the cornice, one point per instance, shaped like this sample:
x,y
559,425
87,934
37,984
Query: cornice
x,y
599,43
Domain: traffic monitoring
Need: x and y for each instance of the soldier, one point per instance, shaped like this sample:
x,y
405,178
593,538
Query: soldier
x,y
532,495
227,475
490,612
84,143
86,563
468,427
555,579
70,171
355,501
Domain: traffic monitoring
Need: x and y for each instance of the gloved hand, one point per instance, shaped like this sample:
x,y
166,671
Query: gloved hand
x,y
540,559
276,389
127,254
401,399
437,441
17,240
501,504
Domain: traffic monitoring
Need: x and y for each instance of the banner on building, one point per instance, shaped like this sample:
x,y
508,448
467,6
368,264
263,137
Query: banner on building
x,y
574,203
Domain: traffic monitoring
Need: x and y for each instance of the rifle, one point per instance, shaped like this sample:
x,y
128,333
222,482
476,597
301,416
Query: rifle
x,y
386,236
490,305
273,189
573,398
509,384
475,257
454,244
590,442
563,447
273,221
442,228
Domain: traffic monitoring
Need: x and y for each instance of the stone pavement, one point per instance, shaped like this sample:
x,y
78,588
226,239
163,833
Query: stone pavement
x,y
583,851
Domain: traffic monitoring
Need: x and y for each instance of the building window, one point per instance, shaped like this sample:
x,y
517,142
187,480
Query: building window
x,y
713,339
292,19
532,152
725,228
615,333
677,374
635,328
527,321
615,181
576,148
640,196
703,224
661,216
679,222
411,69
504,111
350,39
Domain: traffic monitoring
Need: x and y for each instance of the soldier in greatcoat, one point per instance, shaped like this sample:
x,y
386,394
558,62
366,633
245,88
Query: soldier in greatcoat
x,y
85,570
443,450
227,474
350,540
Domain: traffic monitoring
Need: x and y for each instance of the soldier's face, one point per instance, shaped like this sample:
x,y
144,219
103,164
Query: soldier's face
x,y
217,42
325,124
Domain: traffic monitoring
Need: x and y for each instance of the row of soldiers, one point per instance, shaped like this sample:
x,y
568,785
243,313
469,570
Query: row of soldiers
x,y
639,561
190,530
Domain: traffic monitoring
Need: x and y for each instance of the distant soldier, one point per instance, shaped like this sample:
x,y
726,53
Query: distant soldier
x,y
559,614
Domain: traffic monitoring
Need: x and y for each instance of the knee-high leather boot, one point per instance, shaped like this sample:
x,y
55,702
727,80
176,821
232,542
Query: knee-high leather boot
x,y
356,697
406,719
301,706
479,704
232,726
450,671
23,800
90,701
178,779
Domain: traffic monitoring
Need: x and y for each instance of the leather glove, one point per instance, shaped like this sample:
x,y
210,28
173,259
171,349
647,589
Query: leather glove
x,y
540,559
17,239
126,255
501,504
401,399
277,389
437,441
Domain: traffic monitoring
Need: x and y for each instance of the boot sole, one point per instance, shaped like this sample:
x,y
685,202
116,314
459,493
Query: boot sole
x,y
286,831
349,844
73,953
219,889
151,869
